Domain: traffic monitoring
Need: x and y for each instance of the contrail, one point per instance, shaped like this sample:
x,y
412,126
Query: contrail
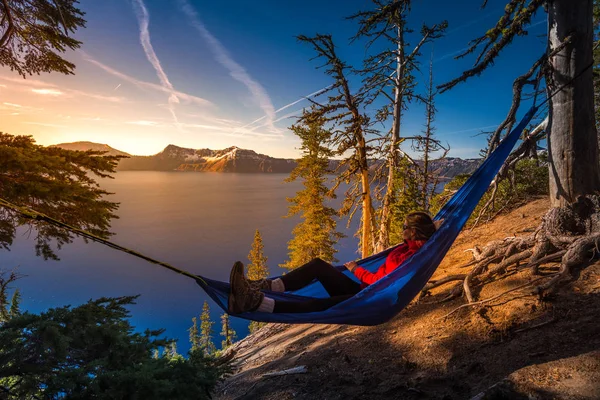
x,y
235,70
318,92
141,84
144,20
118,86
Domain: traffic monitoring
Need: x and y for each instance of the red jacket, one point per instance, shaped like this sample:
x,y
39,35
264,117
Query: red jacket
x,y
392,261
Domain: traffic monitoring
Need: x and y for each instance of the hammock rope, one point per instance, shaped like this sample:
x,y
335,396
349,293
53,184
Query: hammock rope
x,y
38,216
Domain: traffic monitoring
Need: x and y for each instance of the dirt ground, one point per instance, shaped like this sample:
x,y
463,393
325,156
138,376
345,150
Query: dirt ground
x,y
517,346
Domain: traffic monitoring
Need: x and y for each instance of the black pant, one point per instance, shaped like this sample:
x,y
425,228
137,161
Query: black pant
x,y
339,286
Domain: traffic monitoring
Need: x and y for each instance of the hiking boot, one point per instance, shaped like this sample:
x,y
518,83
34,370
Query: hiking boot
x,y
260,284
242,296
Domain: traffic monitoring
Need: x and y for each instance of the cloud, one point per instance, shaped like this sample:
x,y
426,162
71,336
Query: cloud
x,y
146,85
12,105
46,124
235,70
50,89
470,130
144,20
48,92
143,123
313,94
238,132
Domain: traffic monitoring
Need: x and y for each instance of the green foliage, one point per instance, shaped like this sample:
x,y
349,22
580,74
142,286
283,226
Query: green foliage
x,y
529,179
194,334
59,183
34,33
257,268
8,310
316,235
91,351
206,331
253,326
227,332
408,197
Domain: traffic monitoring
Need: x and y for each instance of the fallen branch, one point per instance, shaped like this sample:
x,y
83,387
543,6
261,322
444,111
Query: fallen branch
x,y
296,370
535,326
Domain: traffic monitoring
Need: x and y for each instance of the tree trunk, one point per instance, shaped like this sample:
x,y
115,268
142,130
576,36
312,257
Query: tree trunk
x,y
572,142
384,226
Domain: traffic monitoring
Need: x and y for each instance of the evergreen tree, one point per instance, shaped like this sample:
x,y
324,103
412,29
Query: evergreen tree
x,y
257,268
427,146
407,198
34,33
8,309
58,183
206,331
92,352
194,334
389,74
344,112
227,332
316,235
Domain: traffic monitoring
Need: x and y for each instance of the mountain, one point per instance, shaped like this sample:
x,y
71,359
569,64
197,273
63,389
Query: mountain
x,y
449,167
234,159
84,146
231,159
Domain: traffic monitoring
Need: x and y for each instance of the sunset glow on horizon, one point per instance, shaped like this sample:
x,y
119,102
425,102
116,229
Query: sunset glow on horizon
x,y
209,76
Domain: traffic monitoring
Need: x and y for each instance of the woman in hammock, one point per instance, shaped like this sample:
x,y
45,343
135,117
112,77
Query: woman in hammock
x,y
246,295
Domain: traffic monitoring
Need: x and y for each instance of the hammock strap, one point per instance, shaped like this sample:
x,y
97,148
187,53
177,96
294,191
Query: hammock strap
x,y
38,216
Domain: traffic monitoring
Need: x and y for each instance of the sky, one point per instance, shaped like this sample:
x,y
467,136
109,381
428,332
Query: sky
x,y
210,74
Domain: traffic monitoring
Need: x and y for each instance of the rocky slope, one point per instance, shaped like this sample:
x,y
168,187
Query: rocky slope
x,y
516,347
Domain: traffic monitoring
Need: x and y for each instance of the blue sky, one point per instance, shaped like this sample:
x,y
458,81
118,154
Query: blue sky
x,y
215,74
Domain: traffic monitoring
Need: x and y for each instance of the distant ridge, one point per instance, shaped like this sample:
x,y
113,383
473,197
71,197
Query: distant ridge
x,y
231,159
84,146
235,159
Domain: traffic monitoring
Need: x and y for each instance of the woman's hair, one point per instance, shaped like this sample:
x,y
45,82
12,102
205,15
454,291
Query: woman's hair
x,y
422,223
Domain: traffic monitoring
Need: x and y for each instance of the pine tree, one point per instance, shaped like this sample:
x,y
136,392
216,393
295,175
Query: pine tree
x,y
170,351
344,112
33,33
56,182
316,235
257,268
427,146
8,311
407,198
389,75
227,332
92,352
206,331
194,335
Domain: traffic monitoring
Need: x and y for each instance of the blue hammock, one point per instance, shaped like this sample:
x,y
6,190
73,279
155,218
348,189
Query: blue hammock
x,y
385,298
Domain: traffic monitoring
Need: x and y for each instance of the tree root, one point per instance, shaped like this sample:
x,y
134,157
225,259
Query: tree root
x,y
491,298
569,234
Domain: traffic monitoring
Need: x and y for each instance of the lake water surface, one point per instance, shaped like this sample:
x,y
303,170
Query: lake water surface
x,y
200,222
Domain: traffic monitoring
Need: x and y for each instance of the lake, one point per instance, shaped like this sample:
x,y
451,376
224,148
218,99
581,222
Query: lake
x,y
199,222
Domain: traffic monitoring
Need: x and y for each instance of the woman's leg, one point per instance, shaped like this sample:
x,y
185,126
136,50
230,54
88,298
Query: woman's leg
x,y
334,281
313,305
